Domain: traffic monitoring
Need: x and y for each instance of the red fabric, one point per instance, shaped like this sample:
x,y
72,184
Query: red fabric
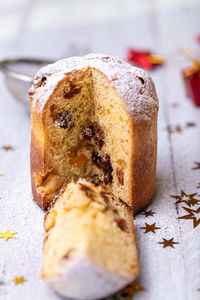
x,y
140,58
192,85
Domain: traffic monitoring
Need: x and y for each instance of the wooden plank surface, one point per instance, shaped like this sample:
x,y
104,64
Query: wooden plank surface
x,y
166,273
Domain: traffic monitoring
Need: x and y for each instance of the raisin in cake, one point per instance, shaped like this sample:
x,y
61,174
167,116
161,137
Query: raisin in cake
x,y
94,117
89,248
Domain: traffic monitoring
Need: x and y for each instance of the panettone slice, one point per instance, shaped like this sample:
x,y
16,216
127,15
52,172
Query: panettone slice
x,y
89,247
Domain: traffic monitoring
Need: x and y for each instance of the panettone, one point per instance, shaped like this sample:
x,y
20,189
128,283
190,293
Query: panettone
x,y
94,117
89,249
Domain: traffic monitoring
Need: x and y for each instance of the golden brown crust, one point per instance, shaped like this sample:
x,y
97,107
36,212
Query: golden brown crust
x,y
36,163
36,152
144,163
39,168
144,159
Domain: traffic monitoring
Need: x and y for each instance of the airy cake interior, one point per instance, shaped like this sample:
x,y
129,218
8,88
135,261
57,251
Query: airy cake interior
x,y
86,221
87,130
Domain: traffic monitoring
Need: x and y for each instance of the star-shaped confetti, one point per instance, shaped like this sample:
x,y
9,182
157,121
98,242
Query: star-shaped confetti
x,y
7,147
168,243
7,235
179,128
197,166
19,280
148,213
188,199
192,213
137,287
127,292
175,128
150,228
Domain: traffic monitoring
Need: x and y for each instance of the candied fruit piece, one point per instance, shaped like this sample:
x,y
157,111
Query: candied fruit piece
x,y
79,161
105,197
121,224
98,136
105,165
107,170
120,176
50,220
97,160
74,90
95,180
88,132
89,192
65,120
95,133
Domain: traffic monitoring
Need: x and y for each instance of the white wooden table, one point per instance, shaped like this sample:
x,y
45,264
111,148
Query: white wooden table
x,y
166,273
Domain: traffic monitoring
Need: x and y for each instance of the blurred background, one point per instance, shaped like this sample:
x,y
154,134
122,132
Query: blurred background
x,y
50,30
53,29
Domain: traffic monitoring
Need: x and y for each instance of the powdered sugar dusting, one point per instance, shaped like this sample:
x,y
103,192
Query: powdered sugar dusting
x,y
134,85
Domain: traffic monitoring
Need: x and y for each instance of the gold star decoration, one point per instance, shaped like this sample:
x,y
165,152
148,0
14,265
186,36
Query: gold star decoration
x,y
7,235
188,199
192,215
19,280
168,243
175,128
148,213
197,166
127,292
150,228
179,128
1,174
7,147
